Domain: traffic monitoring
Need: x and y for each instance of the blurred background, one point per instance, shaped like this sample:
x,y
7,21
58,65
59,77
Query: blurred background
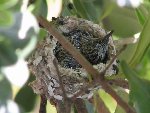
x,y
19,34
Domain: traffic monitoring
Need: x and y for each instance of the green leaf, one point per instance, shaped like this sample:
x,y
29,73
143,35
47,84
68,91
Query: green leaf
x,y
16,7
119,110
140,16
87,10
143,12
143,69
5,18
90,107
139,90
24,30
108,100
107,8
26,98
68,9
142,45
40,8
7,52
81,9
124,95
123,21
128,53
7,3
5,89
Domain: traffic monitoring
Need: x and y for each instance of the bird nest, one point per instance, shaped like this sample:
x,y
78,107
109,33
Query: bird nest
x,y
93,42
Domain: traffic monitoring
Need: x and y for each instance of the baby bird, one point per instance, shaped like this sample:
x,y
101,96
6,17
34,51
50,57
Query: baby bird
x,y
93,49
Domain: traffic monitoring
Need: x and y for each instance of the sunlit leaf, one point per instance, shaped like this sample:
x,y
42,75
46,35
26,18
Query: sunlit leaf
x,y
108,100
54,8
51,108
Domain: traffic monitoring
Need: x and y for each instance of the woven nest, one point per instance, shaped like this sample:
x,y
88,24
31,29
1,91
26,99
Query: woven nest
x,y
93,42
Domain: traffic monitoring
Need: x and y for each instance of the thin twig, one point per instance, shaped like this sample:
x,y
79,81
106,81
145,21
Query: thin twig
x,y
84,89
67,101
119,82
125,41
43,104
60,79
85,64
114,58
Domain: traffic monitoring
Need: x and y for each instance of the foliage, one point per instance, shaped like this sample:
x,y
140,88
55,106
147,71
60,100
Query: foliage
x,y
19,33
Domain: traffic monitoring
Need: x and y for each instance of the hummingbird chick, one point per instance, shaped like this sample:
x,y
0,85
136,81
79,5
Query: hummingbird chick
x,y
94,50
